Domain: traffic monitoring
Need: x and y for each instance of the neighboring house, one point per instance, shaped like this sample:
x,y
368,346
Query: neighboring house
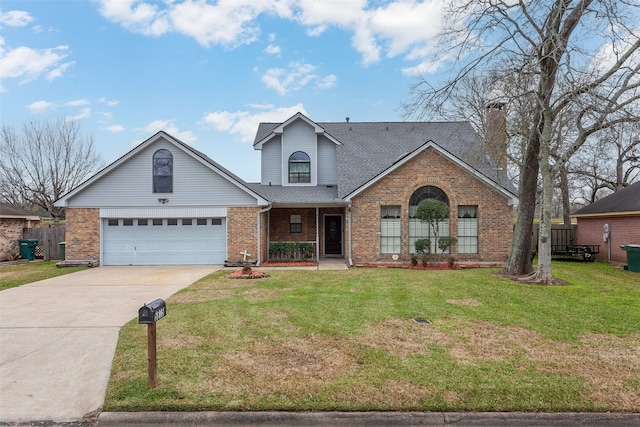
x,y
348,189
621,211
13,222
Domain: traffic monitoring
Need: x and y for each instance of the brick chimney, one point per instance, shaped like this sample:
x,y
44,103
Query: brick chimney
x,y
496,133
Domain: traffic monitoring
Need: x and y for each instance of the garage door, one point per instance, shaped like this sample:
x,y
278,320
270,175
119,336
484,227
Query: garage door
x,y
168,241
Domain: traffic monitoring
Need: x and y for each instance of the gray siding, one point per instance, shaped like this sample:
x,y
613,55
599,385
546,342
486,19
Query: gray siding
x,y
130,184
299,136
271,162
327,170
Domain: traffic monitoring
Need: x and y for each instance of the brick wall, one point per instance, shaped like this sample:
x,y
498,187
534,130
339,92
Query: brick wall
x,y
242,232
280,230
623,231
82,234
495,227
10,232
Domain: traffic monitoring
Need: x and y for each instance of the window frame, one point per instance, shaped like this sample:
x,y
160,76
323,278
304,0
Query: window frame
x,y
467,236
299,158
419,230
162,170
295,223
390,229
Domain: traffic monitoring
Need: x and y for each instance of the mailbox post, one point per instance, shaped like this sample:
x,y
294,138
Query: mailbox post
x,y
149,314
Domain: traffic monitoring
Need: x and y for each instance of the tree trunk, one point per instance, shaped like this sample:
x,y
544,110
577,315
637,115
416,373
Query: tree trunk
x,y
520,261
566,203
543,272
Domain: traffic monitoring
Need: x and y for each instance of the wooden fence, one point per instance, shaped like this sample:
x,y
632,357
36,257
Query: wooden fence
x,y
48,241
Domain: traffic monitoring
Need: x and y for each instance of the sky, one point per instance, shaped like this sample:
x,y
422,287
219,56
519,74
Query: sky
x,y
207,72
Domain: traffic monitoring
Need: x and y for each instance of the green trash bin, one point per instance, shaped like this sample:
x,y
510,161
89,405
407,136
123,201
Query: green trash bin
x,y
633,257
62,246
28,248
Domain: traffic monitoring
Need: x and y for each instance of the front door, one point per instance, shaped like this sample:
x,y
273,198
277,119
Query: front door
x,y
333,235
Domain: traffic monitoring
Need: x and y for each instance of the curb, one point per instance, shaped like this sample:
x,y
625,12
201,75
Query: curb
x,y
459,419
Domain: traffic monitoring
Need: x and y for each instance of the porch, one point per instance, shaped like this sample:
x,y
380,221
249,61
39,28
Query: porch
x,y
305,233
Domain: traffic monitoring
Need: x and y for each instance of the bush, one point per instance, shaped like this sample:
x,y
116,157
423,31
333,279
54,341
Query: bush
x,y
446,242
423,246
291,250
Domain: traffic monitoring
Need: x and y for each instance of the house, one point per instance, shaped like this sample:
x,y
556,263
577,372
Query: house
x,y
13,222
620,213
344,189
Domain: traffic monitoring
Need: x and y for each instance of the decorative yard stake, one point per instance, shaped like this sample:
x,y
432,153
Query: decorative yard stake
x,y
149,314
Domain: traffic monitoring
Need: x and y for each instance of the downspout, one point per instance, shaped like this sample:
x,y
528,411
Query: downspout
x,y
349,232
317,236
267,209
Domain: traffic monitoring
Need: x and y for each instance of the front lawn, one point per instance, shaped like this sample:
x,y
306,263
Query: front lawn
x,y
19,274
348,340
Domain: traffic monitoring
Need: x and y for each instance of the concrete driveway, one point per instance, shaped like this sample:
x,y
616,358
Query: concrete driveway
x,y
58,336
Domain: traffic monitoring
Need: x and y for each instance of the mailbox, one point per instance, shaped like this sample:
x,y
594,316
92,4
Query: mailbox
x,y
152,312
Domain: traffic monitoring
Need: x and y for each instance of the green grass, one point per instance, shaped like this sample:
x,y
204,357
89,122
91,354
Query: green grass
x,y
329,340
19,274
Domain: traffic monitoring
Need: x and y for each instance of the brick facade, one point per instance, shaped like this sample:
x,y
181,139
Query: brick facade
x,y
624,230
495,227
242,232
11,230
82,234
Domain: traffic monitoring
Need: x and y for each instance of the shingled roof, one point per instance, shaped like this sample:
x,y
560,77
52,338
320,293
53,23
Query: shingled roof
x,y
624,201
369,149
10,211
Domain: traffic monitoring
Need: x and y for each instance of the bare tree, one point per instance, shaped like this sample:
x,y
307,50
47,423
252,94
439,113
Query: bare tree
x,y
44,162
608,162
553,42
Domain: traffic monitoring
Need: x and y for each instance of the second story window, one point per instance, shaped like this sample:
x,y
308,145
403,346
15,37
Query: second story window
x,y
299,168
162,171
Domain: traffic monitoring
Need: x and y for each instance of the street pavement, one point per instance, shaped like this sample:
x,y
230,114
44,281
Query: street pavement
x,y
58,337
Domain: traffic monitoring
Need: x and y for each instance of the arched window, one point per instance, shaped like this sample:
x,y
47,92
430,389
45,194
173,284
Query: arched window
x,y
162,171
420,230
299,167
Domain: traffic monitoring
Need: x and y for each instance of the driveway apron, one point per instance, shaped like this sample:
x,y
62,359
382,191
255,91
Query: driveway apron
x,y
58,336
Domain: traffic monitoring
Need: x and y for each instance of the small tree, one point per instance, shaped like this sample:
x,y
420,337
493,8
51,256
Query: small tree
x,y
432,212
446,242
423,246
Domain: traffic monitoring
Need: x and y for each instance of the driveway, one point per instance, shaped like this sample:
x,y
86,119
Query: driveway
x,y
58,336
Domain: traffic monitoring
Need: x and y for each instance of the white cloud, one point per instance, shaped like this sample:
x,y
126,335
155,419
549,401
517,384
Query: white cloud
x,y
272,50
245,123
84,113
29,64
327,82
169,127
297,75
40,107
15,18
76,103
391,28
139,17
224,23
109,102
115,128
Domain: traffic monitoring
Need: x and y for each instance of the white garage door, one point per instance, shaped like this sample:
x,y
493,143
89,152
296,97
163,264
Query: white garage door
x,y
168,241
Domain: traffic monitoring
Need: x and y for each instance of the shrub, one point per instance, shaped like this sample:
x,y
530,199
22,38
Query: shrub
x,y
423,246
446,242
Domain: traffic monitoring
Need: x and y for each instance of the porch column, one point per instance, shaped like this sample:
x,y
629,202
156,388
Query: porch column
x,y
317,235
